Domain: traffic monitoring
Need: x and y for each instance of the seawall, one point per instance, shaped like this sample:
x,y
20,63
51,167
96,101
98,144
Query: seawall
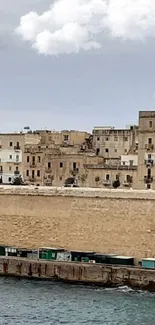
x,y
108,221
95,274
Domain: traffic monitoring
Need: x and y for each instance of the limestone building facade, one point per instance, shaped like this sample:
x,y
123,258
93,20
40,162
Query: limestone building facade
x,y
101,159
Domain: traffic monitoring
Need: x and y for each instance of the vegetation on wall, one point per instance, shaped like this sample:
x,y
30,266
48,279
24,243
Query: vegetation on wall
x,y
17,180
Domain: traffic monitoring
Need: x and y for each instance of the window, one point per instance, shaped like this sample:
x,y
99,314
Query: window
x,y
107,177
10,157
98,139
9,179
117,177
11,144
149,173
33,160
33,173
150,124
149,156
17,144
60,178
17,157
66,137
125,138
107,139
49,165
106,150
115,138
27,172
129,178
28,159
149,140
74,165
9,167
61,164
38,173
97,151
39,159
17,169
131,163
123,163
115,150
1,168
125,150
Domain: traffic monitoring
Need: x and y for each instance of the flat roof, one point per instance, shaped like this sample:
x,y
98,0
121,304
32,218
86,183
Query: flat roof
x,y
88,252
121,257
104,254
52,248
148,259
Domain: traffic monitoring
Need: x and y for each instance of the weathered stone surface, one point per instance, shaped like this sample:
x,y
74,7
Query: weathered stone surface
x,y
109,221
77,272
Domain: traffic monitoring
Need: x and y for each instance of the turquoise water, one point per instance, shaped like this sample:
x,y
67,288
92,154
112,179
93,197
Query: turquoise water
x,y
37,302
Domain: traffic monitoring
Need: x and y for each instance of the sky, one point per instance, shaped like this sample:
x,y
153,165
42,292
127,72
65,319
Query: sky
x,y
75,64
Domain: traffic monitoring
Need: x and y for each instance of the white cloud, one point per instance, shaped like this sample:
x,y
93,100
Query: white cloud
x,y
70,26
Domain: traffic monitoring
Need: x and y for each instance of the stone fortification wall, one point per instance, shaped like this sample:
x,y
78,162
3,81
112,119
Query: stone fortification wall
x,y
110,221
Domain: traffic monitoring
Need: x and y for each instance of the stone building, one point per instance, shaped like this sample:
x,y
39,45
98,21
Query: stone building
x,y
61,167
11,154
111,143
108,156
146,152
52,164
64,138
106,176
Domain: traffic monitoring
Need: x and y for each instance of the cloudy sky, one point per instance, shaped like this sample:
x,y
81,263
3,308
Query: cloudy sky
x,y
76,64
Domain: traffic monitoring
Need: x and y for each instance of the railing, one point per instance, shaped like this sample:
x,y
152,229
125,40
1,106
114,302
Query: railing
x,y
33,150
107,182
149,162
149,146
127,183
48,170
16,172
16,147
33,165
74,171
114,167
148,180
32,179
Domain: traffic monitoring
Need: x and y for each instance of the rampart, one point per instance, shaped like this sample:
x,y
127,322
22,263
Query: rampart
x,y
109,221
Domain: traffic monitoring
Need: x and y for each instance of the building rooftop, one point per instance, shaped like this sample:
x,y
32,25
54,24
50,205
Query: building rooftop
x,y
148,114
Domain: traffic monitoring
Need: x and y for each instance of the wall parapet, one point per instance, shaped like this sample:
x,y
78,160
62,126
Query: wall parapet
x,y
78,192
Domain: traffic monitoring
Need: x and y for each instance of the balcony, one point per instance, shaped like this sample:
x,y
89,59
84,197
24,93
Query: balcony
x,y
149,146
74,171
17,162
48,170
107,182
149,162
32,179
148,180
16,148
127,183
48,182
16,172
33,165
